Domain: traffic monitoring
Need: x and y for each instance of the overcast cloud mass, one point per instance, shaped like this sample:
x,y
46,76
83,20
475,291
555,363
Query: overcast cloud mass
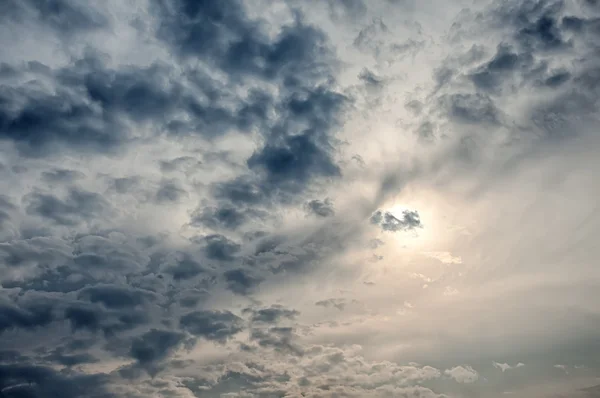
x,y
299,198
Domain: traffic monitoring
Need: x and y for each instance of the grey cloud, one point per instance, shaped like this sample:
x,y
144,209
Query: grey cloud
x,y
114,297
89,110
536,23
294,159
191,298
155,345
183,266
272,314
219,247
169,191
369,78
338,303
62,176
27,380
6,209
65,16
212,325
279,338
321,208
493,74
95,319
78,206
200,29
225,216
242,190
125,185
177,164
242,281
410,220
39,122
470,108
70,360
30,316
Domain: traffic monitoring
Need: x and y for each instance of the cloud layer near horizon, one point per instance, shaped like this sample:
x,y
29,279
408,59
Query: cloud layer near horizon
x,y
393,198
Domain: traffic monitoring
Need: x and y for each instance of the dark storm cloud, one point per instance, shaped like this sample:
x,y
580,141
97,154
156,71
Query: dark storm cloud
x,y
219,247
241,281
31,381
536,23
169,191
7,208
41,122
225,216
31,316
190,298
182,266
92,103
155,345
78,206
279,338
297,147
506,61
321,208
69,360
222,33
388,222
97,252
65,16
125,185
243,190
114,288
212,325
34,252
62,176
370,78
114,297
94,318
304,153
272,314
291,164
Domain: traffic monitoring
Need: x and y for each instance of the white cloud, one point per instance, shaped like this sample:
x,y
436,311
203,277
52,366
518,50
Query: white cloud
x,y
462,374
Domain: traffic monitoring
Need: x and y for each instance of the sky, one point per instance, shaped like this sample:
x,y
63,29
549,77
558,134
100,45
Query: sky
x,y
299,198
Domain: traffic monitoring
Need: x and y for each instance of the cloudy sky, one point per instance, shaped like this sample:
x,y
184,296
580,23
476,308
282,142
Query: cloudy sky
x,y
299,198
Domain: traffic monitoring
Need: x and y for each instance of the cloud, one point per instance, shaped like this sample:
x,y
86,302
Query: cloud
x,y
219,247
462,374
155,345
63,15
338,303
78,206
169,191
444,257
34,315
271,314
504,366
114,296
212,325
320,208
225,216
185,186
39,381
241,281
62,176
410,220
